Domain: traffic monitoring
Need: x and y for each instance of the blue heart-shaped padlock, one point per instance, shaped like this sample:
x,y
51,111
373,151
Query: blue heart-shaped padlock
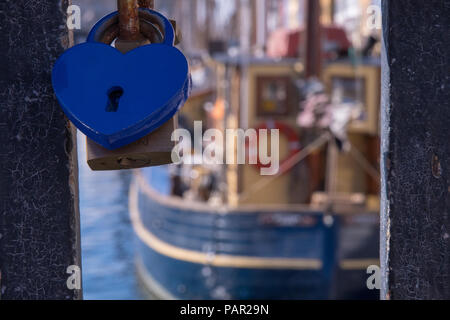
x,y
147,86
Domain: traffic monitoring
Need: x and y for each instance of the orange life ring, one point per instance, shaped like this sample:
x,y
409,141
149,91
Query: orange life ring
x,y
294,145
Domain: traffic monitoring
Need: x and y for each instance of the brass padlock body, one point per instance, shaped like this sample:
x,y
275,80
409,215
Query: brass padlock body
x,y
153,150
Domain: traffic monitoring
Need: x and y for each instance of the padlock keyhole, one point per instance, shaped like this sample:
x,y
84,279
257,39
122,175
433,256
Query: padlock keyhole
x,y
114,95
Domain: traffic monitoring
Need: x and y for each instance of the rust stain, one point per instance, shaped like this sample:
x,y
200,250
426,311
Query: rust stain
x,y
147,4
436,167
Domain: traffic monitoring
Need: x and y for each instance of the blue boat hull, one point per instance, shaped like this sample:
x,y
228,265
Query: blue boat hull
x,y
196,251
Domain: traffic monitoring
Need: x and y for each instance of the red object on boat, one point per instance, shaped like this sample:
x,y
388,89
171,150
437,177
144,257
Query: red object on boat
x,y
294,146
284,43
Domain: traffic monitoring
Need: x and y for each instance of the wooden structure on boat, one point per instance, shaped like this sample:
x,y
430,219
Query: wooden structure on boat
x,y
240,105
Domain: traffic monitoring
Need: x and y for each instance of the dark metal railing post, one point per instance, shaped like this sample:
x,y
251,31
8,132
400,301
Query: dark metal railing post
x,y
415,215
39,214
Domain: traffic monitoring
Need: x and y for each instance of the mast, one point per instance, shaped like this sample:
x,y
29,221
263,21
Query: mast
x,y
245,27
313,56
261,26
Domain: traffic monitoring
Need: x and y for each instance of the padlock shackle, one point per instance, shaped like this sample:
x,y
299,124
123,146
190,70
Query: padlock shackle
x,y
96,33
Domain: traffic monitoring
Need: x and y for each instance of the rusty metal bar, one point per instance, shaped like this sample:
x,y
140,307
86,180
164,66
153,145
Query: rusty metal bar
x,y
128,19
313,56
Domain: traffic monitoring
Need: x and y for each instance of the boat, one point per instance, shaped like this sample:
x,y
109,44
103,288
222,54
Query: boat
x,y
311,231
261,245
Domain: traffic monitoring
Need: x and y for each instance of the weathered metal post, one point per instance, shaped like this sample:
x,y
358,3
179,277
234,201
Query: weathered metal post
x,y
39,214
415,228
313,54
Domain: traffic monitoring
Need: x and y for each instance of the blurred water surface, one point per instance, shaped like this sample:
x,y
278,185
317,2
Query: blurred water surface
x,y
107,239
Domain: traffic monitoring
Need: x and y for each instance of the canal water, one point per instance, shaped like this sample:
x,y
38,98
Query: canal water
x,y
107,238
